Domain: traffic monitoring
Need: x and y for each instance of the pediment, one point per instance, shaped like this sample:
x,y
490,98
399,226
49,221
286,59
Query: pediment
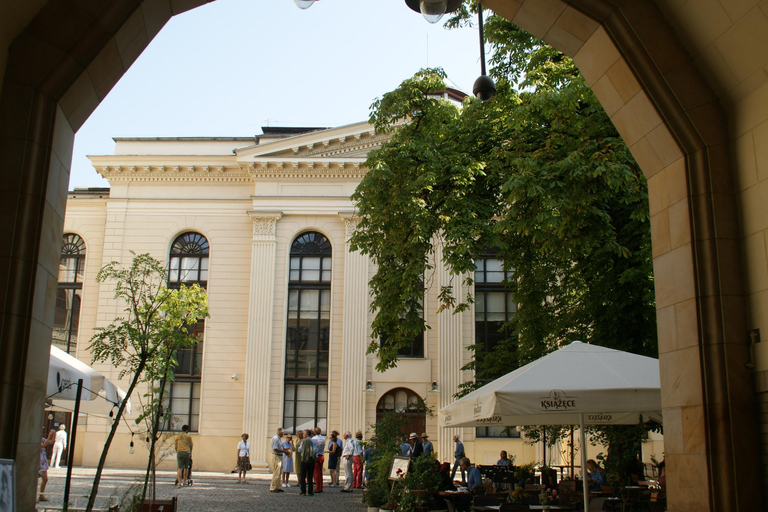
x,y
352,141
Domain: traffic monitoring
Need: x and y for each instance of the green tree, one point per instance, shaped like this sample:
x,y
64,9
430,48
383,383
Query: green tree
x,y
157,322
538,173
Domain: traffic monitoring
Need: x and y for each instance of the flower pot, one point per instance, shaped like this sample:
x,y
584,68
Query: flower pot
x,y
372,509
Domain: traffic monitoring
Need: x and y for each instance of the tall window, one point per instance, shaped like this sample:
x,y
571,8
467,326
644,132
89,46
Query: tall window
x,y
68,294
188,265
308,333
416,348
494,307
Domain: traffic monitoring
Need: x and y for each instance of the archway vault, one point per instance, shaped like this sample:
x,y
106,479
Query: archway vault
x,y
64,57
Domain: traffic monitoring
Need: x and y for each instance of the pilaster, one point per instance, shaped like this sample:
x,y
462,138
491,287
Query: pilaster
x,y
354,335
450,354
260,309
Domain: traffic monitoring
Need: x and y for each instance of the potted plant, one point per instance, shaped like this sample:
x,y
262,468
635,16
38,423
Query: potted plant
x,y
524,473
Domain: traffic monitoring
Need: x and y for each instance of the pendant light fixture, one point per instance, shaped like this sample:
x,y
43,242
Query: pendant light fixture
x,y
433,10
304,4
484,88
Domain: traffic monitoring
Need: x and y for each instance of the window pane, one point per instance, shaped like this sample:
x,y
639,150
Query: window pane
x,y
310,263
306,393
305,409
495,301
310,300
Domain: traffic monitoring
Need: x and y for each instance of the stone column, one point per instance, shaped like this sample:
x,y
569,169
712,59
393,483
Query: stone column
x,y
451,355
258,347
355,334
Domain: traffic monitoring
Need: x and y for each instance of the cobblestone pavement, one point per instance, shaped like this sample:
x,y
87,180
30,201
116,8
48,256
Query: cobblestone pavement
x,y
211,492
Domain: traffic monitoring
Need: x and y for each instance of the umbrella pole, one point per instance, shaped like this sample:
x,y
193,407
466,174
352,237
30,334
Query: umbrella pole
x,y
585,487
573,462
71,451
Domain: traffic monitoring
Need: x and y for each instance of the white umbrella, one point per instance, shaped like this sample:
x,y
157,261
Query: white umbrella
x,y
578,384
63,373
68,378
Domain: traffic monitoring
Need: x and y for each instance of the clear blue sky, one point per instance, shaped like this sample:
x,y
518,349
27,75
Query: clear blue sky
x,y
230,67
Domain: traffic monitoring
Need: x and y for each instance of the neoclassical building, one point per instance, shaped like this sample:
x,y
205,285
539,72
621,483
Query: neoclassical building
x,y
263,224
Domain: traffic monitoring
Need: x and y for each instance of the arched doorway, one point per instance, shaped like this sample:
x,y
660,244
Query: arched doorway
x,y
408,405
663,74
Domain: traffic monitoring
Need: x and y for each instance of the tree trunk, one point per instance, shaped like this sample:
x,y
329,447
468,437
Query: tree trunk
x,y
112,432
153,428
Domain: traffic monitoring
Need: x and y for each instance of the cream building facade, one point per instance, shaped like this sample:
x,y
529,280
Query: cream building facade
x,y
684,82
264,224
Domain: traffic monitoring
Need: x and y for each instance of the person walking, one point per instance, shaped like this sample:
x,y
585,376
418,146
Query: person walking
x,y
319,441
458,454
183,456
276,464
346,456
243,458
427,445
357,461
307,449
287,460
59,445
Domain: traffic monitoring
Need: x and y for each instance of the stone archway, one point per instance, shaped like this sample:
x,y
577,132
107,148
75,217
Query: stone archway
x,y
64,57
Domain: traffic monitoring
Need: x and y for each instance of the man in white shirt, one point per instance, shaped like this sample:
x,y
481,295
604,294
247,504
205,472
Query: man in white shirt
x,y
276,464
346,457
59,445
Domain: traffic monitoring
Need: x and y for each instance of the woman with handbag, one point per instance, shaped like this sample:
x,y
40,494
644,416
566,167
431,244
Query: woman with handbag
x,y
243,458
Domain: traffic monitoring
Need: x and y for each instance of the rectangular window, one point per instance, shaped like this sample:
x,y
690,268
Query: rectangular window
x,y
183,395
510,433
305,406
494,308
66,318
183,399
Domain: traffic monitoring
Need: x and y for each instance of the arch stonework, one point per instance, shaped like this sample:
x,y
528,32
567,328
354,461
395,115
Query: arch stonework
x,y
683,85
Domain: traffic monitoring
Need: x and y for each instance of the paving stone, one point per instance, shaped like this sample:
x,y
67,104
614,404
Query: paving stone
x,y
211,492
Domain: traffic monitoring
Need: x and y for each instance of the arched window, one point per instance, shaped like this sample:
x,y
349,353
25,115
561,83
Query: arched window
x,y
308,333
406,404
189,260
69,293
187,265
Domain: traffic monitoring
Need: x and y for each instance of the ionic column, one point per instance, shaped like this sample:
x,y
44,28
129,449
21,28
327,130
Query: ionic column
x,y
354,335
451,355
258,347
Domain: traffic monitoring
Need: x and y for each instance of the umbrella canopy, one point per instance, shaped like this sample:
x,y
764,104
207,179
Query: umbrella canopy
x,y
607,386
63,374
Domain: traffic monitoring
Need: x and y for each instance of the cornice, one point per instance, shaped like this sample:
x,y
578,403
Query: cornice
x,y
196,172
275,168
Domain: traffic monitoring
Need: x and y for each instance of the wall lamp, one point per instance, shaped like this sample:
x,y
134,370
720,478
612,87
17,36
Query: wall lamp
x,y
369,386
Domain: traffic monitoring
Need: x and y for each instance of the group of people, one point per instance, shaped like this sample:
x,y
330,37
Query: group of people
x,y
306,455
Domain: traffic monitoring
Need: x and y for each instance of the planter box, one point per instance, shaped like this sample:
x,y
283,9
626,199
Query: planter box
x,y
160,506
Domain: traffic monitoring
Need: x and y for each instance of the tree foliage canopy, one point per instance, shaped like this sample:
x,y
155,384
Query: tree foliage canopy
x,y
539,173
